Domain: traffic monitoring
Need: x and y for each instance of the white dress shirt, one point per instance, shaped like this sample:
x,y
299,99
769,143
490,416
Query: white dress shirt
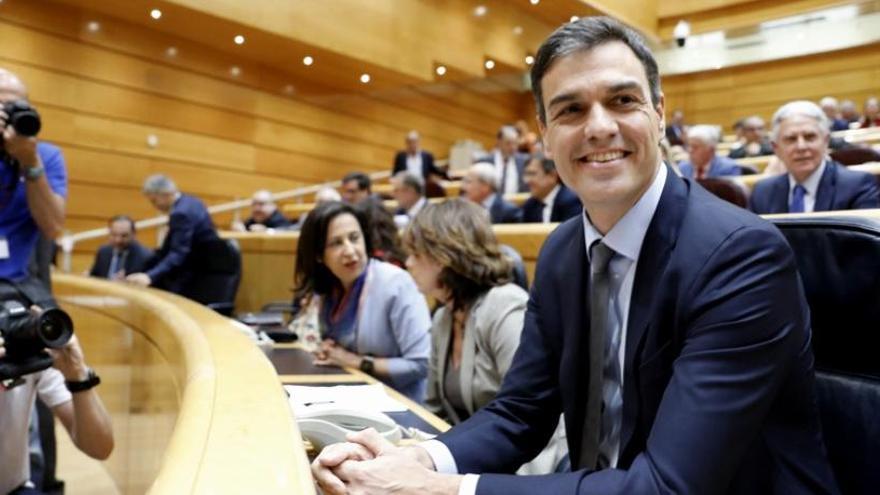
x,y
625,238
414,163
548,200
811,184
511,179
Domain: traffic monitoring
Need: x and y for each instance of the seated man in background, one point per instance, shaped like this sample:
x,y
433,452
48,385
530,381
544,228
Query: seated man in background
x,y
814,181
67,389
848,111
676,131
189,224
550,201
409,191
704,162
416,160
264,214
480,186
123,254
507,161
756,143
356,187
832,111
871,113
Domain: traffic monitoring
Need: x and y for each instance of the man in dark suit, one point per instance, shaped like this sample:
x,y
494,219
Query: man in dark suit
x,y
189,227
508,162
814,182
702,161
675,131
479,186
409,191
689,371
416,160
123,254
755,140
264,214
550,201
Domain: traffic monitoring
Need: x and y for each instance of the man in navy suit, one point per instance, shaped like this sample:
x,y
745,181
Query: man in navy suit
x,y
189,227
703,162
669,326
480,186
813,181
550,201
416,160
508,162
123,254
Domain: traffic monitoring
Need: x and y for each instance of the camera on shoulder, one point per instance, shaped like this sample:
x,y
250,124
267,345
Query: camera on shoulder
x,y
27,335
22,117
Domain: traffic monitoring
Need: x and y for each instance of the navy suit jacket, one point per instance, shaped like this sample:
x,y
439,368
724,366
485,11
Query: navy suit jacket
x,y
428,167
135,261
565,206
504,212
520,160
839,189
718,375
176,260
720,166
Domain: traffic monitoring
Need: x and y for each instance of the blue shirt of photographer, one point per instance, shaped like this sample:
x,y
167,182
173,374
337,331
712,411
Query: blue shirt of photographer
x,y
16,223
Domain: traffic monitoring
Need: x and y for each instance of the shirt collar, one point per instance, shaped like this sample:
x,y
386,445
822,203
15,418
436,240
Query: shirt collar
x,y
811,184
487,203
416,207
551,196
627,235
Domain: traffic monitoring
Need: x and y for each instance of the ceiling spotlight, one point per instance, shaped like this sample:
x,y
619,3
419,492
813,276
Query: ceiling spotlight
x,y
481,10
171,51
156,14
534,2
441,70
235,71
490,64
239,39
365,78
307,60
517,30
530,60
93,26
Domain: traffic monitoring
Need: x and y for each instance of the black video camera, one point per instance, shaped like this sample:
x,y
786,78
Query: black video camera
x,y
28,335
22,117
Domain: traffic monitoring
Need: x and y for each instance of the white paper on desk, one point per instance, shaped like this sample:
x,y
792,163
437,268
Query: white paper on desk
x,y
359,397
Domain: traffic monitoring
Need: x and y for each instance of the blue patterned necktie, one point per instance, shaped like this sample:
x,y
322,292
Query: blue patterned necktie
x,y
797,199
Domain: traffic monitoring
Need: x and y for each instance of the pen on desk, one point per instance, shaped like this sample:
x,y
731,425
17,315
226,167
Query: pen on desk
x,y
307,404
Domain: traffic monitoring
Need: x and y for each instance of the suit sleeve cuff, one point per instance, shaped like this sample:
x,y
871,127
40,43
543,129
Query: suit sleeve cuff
x,y
441,456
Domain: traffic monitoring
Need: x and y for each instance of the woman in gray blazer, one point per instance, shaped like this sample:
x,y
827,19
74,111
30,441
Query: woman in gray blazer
x,y
455,258
356,311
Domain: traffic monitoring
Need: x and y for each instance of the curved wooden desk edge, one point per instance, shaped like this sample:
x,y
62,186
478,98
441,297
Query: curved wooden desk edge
x,y
235,432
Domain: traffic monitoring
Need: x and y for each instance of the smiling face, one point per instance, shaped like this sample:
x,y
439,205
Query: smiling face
x,y
801,144
602,129
345,253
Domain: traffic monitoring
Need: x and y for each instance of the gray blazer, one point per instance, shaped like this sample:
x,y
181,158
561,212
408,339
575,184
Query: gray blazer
x,y
393,323
491,336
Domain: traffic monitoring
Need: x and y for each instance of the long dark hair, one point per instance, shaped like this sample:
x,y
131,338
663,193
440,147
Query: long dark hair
x,y
383,232
310,274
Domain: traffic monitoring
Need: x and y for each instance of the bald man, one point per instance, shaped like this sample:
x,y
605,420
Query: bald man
x,y
264,213
33,187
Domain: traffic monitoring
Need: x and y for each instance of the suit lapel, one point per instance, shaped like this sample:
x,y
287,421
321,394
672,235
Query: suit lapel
x,y
659,241
780,195
468,356
825,191
442,350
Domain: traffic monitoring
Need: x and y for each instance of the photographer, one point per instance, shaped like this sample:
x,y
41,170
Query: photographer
x,y
33,185
68,389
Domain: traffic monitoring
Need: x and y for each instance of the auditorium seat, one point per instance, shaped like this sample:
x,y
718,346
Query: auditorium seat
x,y
855,155
839,261
728,190
218,274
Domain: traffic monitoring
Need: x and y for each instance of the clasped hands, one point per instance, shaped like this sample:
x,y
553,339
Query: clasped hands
x,y
330,353
369,464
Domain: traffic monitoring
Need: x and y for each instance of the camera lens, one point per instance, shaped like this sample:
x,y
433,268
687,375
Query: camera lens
x,y
54,328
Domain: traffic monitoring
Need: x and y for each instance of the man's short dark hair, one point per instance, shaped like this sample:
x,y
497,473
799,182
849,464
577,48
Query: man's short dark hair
x,y
412,181
546,164
123,218
585,34
363,180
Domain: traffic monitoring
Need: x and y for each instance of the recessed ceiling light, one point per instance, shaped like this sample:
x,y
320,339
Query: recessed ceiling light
x,y
490,64
573,18
239,39
530,60
156,14
517,30
307,60
441,69
171,51
289,89
93,26
481,10
365,78
534,2
235,71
